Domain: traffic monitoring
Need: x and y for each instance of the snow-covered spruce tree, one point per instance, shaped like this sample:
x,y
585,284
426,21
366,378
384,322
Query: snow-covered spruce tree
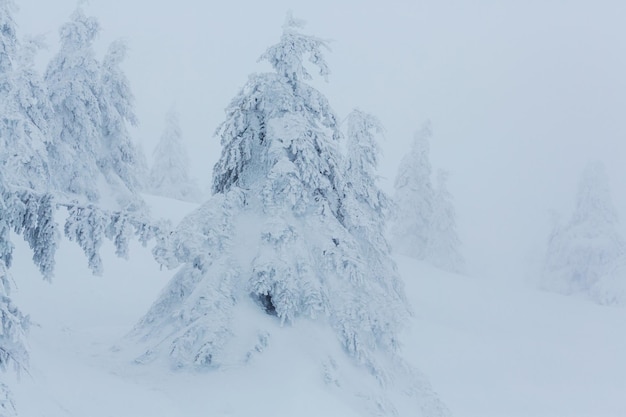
x,y
121,161
443,246
91,153
587,254
73,80
275,240
414,198
364,207
22,166
24,108
169,174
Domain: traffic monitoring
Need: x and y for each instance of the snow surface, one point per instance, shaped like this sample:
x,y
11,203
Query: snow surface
x,y
488,348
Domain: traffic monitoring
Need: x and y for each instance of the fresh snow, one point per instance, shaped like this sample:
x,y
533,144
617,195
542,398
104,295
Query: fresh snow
x,y
497,348
487,348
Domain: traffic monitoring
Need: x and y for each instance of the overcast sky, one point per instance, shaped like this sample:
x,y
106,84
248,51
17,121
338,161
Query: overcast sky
x,y
521,94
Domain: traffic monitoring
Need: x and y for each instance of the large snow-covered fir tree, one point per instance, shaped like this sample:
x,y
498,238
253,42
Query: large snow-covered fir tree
x,y
425,225
587,254
277,243
169,175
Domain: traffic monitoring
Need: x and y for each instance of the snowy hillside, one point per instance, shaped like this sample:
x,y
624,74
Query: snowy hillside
x,y
487,349
493,348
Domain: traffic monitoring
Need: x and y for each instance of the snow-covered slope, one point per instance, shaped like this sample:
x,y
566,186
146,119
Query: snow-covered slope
x,y
501,349
488,349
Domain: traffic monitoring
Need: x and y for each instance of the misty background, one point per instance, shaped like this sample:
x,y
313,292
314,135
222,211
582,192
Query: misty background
x,y
521,95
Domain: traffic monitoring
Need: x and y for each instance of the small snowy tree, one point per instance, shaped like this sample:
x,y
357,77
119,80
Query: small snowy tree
x,y
586,255
443,249
169,175
414,198
278,237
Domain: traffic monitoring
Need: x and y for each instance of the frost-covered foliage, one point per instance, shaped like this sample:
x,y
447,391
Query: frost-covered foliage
x,y
443,249
425,223
89,225
169,175
24,108
587,254
13,350
73,78
93,107
53,142
24,112
364,206
30,215
8,39
282,236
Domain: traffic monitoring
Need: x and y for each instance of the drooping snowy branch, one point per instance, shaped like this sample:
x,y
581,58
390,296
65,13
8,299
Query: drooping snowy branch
x,y
88,225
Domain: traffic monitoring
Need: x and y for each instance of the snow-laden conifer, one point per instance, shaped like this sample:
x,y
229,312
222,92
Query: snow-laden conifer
x,y
121,158
73,80
280,239
91,153
364,206
169,174
587,254
414,198
23,166
24,108
425,222
443,248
